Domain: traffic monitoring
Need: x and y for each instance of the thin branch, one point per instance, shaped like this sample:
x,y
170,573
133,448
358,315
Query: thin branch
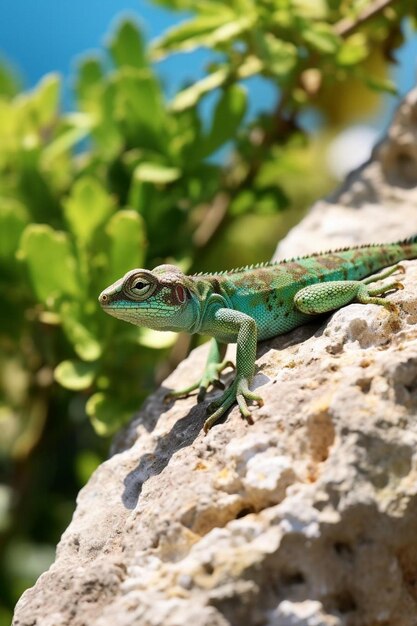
x,y
214,216
345,27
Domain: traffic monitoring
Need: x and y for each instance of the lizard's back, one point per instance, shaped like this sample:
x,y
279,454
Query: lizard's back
x,y
266,292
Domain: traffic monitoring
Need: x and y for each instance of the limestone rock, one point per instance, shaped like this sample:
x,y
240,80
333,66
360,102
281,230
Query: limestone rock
x,y
306,518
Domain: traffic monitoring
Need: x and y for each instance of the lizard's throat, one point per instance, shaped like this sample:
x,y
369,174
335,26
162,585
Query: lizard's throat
x,y
152,317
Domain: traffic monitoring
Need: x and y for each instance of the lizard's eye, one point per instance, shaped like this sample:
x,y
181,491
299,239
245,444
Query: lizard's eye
x,y
139,288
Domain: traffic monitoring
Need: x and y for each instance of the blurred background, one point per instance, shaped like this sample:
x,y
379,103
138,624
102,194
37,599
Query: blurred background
x,y
132,134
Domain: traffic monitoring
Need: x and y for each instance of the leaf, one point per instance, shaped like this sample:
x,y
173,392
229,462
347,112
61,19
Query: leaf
x,y
156,173
378,83
106,414
280,57
13,219
127,47
46,99
89,78
190,96
353,50
310,9
66,139
321,37
88,206
75,375
77,327
9,80
50,261
127,243
228,115
139,110
204,30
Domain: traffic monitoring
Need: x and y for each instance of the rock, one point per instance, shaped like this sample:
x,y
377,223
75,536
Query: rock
x,y
306,518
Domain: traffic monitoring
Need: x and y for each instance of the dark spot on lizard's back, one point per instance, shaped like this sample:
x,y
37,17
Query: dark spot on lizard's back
x,y
216,285
295,269
258,279
330,262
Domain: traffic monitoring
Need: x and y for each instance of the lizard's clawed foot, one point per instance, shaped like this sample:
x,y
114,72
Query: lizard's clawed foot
x,y
237,392
211,377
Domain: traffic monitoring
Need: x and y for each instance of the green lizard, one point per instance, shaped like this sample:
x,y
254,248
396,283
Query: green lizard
x,y
249,304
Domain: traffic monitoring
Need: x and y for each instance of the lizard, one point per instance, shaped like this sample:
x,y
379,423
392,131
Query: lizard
x,y
253,303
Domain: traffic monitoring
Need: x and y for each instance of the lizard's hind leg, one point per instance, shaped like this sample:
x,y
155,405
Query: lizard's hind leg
x,y
384,274
331,295
370,296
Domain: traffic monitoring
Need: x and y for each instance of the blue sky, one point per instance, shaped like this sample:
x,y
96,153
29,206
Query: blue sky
x,y
41,36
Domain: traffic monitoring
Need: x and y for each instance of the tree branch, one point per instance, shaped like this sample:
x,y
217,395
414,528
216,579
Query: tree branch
x,y
345,27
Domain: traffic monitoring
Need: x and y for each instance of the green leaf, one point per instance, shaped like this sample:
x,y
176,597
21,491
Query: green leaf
x,y
46,99
127,47
77,327
321,37
280,57
77,128
13,219
204,30
107,414
310,9
50,261
227,118
89,78
353,50
138,108
127,243
75,375
378,83
88,206
190,96
9,81
156,173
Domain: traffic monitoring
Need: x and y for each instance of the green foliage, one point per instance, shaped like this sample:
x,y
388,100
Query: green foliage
x,y
281,40
131,180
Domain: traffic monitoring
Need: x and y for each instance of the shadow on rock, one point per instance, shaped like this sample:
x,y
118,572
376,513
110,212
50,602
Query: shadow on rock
x,y
183,433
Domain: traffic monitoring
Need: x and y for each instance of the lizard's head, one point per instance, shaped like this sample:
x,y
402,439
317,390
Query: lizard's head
x,y
161,299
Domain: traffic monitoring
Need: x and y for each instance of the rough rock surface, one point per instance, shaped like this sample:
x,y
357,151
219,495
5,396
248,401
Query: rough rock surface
x,y
306,518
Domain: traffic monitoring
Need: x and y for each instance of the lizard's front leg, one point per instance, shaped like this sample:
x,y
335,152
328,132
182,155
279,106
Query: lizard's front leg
x,y
211,376
244,328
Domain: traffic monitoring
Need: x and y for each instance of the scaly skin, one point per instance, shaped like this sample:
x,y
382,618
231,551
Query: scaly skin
x,y
253,303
